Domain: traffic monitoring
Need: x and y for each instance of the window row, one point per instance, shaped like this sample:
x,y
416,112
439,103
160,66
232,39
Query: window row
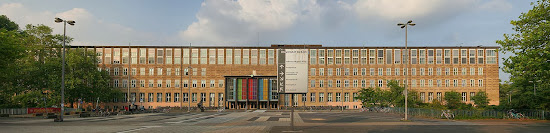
x,y
153,71
394,71
173,97
439,97
317,56
167,83
357,83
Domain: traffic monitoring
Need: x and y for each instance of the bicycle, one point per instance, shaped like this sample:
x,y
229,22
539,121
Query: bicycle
x,y
513,115
447,114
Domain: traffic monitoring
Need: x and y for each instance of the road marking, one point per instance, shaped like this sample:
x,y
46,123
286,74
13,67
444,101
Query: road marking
x,y
137,129
202,117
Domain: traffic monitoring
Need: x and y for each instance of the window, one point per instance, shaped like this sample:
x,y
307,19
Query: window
x,y
480,56
203,83
346,71
185,83
372,56
330,56
304,97
115,83
455,56
159,83
464,71
237,56
177,83
430,96
455,83
413,56
380,56
372,71
380,84
185,97
203,71
422,96
438,57
422,83
312,72
491,56
220,83
438,96
203,55
133,83
220,56
151,83
321,97
212,83
380,71
430,83
363,71
338,55
142,83
271,57
463,96
176,97
355,72
338,83
338,71
329,97
159,71
430,71
422,56
354,97
194,97
212,98
329,71
321,83
229,56
447,71
438,83
355,83
363,83
151,71
480,71
472,56
388,71
321,71
463,83
312,84
245,56
397,56
447,54
472,94
455,71
355,55
413,83
438,71
413,71
159,97
168,71
125,71
312,97
168,97
321,56
346,97
389,56
186,56
480,82
346,83
116,71
329,83
422,71
312,56
150,97
472,71
397,72
472,83
203,97
253,56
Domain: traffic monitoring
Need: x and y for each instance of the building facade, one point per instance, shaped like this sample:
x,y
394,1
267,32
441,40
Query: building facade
x,y
156,76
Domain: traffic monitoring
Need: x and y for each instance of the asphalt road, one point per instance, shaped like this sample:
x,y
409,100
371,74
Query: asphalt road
x,y
261,121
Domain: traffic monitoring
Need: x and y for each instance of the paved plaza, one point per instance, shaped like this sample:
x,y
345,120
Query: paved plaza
x,y
265,121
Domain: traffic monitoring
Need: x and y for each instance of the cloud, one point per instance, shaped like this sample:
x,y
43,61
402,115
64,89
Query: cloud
x,y
497,5
88,30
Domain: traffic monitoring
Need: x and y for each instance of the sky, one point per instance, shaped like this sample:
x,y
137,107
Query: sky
x,y
266,22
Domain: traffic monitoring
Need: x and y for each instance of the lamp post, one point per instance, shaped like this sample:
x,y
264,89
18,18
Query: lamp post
x,y
406,25
71,22
534,86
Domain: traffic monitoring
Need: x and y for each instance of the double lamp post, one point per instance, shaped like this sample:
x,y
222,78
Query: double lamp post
x,y
65,22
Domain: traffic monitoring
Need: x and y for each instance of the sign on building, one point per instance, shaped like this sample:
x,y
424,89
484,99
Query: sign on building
x,y
292,70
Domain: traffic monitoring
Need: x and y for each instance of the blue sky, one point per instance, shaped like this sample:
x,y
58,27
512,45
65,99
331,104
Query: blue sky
x,y
239,22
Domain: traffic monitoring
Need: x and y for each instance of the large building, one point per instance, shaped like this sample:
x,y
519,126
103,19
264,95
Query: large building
x,y
234,77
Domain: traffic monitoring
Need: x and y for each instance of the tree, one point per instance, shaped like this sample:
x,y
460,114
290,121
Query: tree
x,y
7,24
453,99
530,46
481,99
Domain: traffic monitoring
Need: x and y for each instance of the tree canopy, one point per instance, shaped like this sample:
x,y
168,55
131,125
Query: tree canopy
x,y
530,61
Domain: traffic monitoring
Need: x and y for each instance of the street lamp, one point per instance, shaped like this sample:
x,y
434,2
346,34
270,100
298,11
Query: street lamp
x,y
70,22
406,60
534,86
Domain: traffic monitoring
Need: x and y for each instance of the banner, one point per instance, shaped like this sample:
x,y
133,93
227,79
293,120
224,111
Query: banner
x,y
43,110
